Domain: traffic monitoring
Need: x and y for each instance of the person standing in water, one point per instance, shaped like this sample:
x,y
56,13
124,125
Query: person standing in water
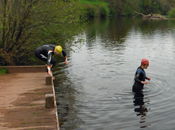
x,y
140,76
45,53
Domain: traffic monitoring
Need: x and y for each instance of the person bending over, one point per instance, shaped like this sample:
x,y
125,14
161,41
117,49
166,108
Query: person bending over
x,y
46,52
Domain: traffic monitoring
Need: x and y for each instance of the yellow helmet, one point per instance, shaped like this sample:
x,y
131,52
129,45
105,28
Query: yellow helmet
x,y
58,49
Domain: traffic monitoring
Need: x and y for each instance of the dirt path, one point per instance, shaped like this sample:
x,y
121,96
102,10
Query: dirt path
x,y
22,102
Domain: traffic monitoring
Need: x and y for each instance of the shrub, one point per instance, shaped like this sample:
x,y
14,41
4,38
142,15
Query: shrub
x,y
90,11
95,8
113,12
104,11
3,71
171,13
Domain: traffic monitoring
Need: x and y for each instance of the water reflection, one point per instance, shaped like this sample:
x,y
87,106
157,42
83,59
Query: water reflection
x,y
111,31
67,91
141,110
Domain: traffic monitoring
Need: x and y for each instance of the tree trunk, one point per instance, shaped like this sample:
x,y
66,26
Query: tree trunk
x,y
4,4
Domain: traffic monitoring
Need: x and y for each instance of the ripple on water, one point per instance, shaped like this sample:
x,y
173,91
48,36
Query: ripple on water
x,y
97,87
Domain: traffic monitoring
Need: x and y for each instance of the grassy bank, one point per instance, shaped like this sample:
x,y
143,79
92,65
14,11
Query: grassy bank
x,y
95,8
93,2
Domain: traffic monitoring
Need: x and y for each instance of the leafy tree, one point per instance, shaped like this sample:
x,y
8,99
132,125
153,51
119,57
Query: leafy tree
x,y
26,24
171,13
164,6
147,6
155,8
172,3
123,7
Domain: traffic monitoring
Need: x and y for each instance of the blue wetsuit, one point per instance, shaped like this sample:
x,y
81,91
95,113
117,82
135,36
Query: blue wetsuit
x,y
140,75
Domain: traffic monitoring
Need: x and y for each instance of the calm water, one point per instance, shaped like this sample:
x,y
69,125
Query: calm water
x,y
94,92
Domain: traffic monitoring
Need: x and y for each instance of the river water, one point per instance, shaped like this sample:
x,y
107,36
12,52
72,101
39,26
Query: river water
x,y
94,92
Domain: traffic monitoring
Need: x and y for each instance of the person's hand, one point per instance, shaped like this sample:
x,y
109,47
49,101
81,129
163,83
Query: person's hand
x,y
50,73
144,82
148,78
66,62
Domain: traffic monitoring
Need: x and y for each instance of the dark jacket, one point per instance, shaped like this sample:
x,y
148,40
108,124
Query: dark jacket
x,y
140,75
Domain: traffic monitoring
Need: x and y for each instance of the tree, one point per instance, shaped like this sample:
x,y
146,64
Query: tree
x,y
171,13
147,6
26,24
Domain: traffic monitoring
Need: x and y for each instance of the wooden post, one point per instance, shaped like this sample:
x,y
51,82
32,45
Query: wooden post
x,y
48,80
49,100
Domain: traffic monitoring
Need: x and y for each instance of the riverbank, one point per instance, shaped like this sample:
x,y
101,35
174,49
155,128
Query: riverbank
x,y
22,102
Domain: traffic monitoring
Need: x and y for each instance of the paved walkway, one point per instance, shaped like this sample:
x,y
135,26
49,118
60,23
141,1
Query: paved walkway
x,y
22,102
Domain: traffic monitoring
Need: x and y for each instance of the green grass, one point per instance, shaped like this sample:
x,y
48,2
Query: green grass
x,y
3,71
93,2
